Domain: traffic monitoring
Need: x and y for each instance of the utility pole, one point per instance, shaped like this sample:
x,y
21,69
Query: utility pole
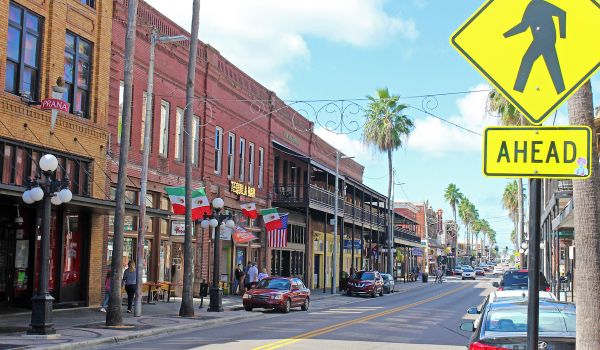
x,y
426,237
113,314
390,264
335,223
187,299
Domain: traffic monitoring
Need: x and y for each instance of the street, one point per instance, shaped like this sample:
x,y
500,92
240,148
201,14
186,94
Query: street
x,y
426,316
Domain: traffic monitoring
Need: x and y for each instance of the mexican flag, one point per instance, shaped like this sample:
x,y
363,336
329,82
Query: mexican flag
x,y
200,204
271,219
249,210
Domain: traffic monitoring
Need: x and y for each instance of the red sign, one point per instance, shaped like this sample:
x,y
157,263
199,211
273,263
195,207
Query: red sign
x,y
240,235
54,103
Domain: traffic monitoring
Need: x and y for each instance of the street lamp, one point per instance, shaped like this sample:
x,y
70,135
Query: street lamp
x,y
335,224
214,221
56,192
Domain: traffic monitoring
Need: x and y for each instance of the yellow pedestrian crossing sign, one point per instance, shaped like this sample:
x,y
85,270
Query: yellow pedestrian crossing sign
x,y
535,52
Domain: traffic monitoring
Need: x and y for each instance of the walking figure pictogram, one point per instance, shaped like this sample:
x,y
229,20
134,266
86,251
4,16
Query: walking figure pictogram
x,y
539,18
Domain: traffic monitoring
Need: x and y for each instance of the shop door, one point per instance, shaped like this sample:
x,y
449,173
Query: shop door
x,y
72,258
285,263
316,269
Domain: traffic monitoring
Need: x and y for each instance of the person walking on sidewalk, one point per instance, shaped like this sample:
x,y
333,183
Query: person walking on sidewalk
x,y
237,278
263,274
246,276
130,283
253,275
106,292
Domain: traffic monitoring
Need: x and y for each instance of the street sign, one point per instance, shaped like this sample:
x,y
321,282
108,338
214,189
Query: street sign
x,y
537,152
537,53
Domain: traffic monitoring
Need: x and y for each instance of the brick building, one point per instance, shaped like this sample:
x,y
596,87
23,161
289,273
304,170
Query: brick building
x,y
39,42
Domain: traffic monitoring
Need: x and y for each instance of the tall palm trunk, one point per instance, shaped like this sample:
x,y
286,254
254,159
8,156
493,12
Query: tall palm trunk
x,y
520,220
456,228
390,266
187,298
586,198
113,314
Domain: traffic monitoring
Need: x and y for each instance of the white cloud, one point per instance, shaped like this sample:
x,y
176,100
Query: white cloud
x,y
350,147
268,38
438,138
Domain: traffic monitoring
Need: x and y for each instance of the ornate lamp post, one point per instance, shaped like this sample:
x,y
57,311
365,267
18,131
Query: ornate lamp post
x,y
56,192
214,221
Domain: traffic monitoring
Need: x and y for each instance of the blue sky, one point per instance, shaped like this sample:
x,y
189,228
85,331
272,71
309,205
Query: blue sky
x,y
342,49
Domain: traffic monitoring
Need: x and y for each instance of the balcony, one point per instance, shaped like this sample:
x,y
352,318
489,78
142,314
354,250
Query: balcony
x,y
407,236
565,185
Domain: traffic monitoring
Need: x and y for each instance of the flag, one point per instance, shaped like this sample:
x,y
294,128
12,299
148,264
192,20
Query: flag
x,y
249,210
271,219
200,204
241,235
278,237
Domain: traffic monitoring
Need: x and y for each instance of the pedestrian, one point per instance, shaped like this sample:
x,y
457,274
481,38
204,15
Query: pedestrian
x,y
106,291
246,277
440,275
130,283
238,277
263,274
435,272
253,275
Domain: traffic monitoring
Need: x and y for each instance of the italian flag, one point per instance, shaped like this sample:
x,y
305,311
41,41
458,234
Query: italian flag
x,y
249,210
271,219
200,204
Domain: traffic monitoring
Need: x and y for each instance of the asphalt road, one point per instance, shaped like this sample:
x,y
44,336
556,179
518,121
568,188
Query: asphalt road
x,y
426,317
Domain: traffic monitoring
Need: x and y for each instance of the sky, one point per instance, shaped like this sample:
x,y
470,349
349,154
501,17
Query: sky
x,y
345,49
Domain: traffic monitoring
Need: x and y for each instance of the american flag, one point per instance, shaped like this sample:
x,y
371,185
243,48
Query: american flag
x,y
278,237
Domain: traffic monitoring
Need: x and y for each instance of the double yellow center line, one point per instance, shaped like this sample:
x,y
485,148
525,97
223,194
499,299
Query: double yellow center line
x,y
329,329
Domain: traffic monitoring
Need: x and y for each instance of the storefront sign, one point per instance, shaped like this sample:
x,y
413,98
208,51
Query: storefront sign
x,y
241,189
241,235
178,228
348,244
225,233
54,103
417,252
291,138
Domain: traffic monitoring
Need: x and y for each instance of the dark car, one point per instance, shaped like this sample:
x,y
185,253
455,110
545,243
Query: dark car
x,y
479,271
279,293
518,279
503,325
388,283
366,283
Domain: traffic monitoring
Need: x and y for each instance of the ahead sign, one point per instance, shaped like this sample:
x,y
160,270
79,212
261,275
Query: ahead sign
x,y
559,152
535,52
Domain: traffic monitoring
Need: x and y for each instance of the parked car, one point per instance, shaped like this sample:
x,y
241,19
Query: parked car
x,y
503,325
388,283
479,271
468,273
279,293
366,283
458,270
518,279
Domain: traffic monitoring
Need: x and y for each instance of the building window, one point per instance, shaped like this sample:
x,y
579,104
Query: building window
x,y
218,149
261,157
179,135
163,144
242,158
195,139
23,52
90,3
251,164
231,156
78,55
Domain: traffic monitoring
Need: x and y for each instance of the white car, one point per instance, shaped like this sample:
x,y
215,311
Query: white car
x,y
468,273
498,269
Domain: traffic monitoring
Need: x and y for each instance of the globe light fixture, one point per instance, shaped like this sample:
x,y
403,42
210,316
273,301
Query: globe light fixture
x,y
36,193
524,245
230,224
218,203
205,224
55,199
48,162
214,223
27,197
65,195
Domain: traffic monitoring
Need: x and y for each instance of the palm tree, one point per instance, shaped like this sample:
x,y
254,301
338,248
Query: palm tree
x,y
586,195
497,104
452,195
510,202
386,129
477,227
467,213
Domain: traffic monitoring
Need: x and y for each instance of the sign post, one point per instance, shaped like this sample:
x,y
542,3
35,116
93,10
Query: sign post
x,y
537,54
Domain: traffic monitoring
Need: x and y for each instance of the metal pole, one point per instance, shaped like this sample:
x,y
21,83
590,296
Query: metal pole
x,y
144,177
41,304
390,263
426,236
335,222
216,294
534,263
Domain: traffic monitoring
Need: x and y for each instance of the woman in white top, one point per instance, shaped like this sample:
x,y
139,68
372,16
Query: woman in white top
x,y
263,274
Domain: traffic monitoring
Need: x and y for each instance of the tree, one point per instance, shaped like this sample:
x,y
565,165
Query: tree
x,y
466,212
509,115
187,297
586,197
510,203
113,314
477,227
386,129
453,196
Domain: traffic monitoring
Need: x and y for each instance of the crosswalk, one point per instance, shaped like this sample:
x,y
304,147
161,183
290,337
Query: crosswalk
x,y
347,311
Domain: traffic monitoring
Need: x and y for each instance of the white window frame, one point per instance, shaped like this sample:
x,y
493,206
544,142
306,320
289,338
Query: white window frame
x,y
163,145
179,120
195,139
261,159
231,156
242,166
250,163
218,149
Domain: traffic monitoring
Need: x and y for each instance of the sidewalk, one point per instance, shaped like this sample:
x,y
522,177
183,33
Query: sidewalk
x,y
84,327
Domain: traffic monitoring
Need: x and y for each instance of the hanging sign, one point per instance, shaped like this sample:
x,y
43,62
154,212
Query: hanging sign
x,y
241,189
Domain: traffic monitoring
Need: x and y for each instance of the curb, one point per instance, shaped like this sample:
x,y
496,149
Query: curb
x,y
151,332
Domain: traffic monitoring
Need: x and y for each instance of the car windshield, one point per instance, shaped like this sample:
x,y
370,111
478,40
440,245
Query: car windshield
x,y
514,319
519,279
386,277
363,275
467,269
281,284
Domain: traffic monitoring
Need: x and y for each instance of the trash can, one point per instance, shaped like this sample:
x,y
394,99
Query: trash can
x,y
424,277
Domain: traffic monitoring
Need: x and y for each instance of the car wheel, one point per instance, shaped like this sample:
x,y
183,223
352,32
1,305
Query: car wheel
x,y
288,306
463,278
349,293
248,308
381,292
305,305
374,294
